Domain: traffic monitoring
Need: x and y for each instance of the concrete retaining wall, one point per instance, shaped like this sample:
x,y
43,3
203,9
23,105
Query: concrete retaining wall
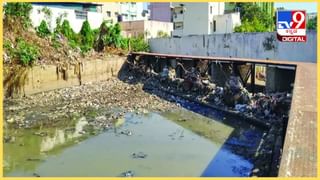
x,y
44,79
242,45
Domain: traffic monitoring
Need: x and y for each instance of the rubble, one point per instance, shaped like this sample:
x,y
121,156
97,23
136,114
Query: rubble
x,y
102,104
266,108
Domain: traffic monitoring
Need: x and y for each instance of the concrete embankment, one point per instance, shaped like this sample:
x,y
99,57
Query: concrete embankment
x,y
47,78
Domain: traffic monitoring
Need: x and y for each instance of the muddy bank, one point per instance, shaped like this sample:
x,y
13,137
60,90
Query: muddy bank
x,y
92,100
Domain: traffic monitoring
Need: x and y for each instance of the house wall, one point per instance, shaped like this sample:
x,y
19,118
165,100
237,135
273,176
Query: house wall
x,y
226,23
242,45
132,11
113,8
36,16
148,28
196,13
160,11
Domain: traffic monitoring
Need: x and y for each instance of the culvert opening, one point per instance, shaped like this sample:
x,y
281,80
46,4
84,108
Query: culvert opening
x,y
257,93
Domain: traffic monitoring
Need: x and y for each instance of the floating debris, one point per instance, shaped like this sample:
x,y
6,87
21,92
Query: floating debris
x,y
127,174
139,155
126,132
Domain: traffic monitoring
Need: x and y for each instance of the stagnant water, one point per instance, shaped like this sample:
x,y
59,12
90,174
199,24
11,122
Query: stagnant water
x,y
179,143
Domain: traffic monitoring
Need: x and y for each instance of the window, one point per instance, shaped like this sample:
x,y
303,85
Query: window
x,y
214,26
178,25
81,14
108,13
210,9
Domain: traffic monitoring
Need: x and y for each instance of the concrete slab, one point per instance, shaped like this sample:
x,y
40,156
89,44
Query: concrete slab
x,y
300,148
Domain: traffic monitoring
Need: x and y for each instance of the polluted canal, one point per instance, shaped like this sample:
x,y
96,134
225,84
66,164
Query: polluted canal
x,y
179,142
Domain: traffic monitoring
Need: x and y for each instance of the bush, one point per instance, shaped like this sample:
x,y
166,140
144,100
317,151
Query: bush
x,y
138,44
162,34
87,37
43,29
26,53
66,30
21,10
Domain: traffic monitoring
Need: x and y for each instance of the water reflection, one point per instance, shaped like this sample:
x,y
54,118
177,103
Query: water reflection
x,y
180,143
61,136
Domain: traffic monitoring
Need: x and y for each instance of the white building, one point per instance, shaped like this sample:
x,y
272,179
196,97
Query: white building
x,y
124,11
195,18
202,18
75,13
226,23
133,11
111,11
147,28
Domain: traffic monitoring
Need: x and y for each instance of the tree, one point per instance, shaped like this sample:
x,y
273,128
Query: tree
x,y
254,19
312,23
87,36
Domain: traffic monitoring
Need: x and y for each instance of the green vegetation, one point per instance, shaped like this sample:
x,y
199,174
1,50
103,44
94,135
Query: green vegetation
x,y
43,29
254,19
312,23
26,52
86,36
161,34
20,11
138,44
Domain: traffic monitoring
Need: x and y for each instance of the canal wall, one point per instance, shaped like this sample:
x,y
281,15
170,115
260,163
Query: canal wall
x,y
242,45
46,78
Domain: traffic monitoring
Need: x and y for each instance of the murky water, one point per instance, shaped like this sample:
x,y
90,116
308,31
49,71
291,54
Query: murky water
x,y
180,143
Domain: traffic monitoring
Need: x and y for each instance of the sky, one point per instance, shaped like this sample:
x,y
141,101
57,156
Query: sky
x,y
308,6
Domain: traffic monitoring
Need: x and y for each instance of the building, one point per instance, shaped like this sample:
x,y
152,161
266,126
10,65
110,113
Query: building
x,y
133,11
124,11
226,23
75,13
146,28
111,11
160,11
202,18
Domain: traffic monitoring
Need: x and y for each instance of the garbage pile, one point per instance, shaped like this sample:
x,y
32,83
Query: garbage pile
x,y
276,104
233,95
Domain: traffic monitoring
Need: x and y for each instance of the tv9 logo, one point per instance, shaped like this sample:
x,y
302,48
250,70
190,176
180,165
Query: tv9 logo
x,y
291,26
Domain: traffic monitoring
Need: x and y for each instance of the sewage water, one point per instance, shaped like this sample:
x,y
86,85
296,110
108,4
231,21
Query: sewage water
x,y
178,143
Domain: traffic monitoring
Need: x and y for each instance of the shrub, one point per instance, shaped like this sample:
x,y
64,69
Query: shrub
x,y
138,44
21,10
87,37
26,53
43,29
66,30
162,34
